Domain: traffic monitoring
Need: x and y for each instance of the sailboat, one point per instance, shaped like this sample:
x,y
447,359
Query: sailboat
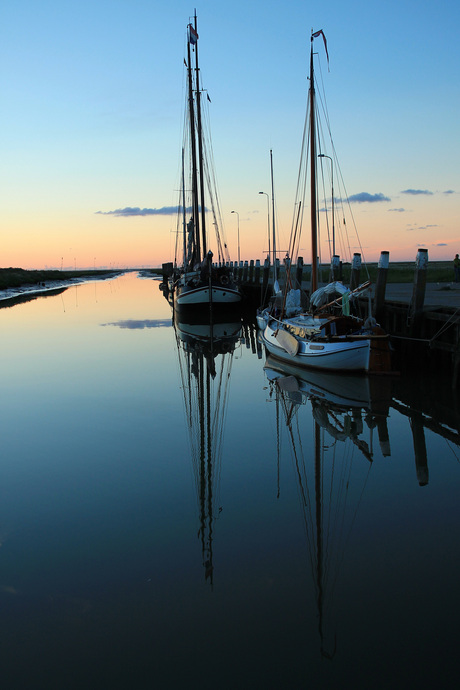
x,y
205,353
327,336
200,281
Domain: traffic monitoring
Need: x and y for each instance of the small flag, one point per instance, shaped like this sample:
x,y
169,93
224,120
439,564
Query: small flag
x,y
208,97
321,33
192,35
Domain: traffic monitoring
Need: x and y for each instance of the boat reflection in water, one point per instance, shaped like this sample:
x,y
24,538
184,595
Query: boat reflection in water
x,y
205,352
332,477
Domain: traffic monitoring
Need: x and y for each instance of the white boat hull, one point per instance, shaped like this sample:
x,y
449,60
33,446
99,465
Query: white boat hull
x,y
201,296
336,354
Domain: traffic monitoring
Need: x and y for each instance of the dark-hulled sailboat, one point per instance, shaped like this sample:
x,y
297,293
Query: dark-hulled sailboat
x,y
202,279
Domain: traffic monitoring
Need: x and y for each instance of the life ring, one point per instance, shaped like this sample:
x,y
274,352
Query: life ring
x,y
223,280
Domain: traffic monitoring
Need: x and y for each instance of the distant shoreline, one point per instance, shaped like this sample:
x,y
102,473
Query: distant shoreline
x,y
18,285
20,277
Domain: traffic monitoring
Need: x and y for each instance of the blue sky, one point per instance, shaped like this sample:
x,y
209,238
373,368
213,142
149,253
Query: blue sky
x,y
91,119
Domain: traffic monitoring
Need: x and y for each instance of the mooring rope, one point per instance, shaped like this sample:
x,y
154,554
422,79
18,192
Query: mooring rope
x,y
447,325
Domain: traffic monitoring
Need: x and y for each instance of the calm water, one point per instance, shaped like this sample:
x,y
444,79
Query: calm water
x,y
173,515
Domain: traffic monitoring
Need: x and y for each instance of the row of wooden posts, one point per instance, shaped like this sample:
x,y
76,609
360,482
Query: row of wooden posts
x,y
419,335
249,274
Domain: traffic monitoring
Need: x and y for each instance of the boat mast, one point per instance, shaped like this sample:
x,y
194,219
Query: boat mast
x,y
184,218
191,105
200,146
314,229
273,222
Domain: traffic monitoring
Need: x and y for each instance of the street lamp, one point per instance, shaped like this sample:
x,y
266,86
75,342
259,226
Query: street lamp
x,y
238,235
268,220
323,155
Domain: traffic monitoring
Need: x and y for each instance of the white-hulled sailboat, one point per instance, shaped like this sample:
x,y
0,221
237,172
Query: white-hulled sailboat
x,y
202,281
326,336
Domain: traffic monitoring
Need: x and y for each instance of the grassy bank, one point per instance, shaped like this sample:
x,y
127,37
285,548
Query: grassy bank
x,y
16,277
401,272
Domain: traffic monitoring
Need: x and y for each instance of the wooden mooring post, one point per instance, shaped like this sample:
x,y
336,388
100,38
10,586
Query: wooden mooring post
x,y
299,273
418,293
355,271
380,285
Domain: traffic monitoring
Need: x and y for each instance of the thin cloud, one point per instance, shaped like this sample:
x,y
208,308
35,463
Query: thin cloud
x,y
440,244
136,211
421,227
365,197
130,211
417,192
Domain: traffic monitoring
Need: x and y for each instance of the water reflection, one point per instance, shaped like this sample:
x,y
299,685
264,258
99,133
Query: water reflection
x,y
432,405
340,404
345,411
134,324
326,547
205,352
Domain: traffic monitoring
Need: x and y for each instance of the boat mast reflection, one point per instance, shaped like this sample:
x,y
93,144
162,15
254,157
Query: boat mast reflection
x,y
343,410
205,353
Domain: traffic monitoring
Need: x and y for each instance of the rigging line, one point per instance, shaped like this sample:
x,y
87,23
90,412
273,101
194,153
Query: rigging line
x,y
325,209
343,499
214,203
278,444
212,183
322,100
300,192
452,450
321,94
337,505
447,324
221,409
305,501
350,211
225,411
351,525
209,449
329,516
303,477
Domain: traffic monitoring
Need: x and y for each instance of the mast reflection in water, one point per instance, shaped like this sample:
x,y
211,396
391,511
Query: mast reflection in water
x,y
205,351
344,409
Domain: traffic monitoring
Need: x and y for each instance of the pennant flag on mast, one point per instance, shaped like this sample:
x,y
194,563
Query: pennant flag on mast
x,y
321,33
192,35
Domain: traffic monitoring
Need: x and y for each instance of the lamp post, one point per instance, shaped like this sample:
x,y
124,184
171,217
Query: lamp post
x,y
323,155
268,220
238,235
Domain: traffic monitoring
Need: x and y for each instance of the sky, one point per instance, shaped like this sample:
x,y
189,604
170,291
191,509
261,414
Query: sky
x,y
92,113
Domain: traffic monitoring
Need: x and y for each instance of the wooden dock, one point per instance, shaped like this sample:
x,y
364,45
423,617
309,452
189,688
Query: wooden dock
x,y
423,319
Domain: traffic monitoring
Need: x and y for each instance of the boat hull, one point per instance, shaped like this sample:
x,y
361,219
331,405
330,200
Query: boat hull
x,y
350,355
200,296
